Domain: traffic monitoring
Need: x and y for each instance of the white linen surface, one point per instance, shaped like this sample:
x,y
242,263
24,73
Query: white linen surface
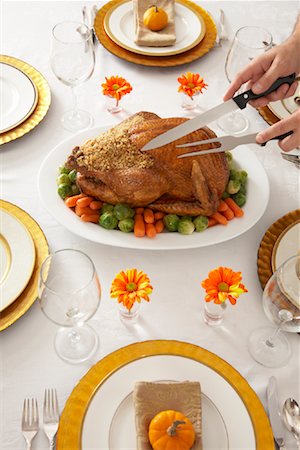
x,y
29,363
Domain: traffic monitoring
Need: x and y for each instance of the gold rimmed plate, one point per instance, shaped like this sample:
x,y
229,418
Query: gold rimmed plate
x,y
86,419
199,50
28,296
43,99
189,25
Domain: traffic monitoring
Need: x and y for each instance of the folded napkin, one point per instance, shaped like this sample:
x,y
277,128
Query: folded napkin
x,y
150,398
146,37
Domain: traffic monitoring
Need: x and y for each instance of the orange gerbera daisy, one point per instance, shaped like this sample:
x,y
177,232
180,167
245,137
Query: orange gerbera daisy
x,y
131,286
222,283
191,83
116,87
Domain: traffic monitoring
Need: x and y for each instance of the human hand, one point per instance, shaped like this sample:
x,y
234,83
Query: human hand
x,y
280,61
292,123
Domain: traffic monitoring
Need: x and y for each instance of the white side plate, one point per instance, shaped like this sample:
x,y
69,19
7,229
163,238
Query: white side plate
x,y
17,258
18,97
257,200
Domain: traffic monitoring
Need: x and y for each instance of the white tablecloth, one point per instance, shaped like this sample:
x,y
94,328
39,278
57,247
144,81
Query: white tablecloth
x,y
29,363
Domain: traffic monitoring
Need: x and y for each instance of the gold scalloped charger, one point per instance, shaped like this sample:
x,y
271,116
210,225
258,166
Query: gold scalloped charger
x,y
43,102
28,296
192,54
268,246
268,115
87,415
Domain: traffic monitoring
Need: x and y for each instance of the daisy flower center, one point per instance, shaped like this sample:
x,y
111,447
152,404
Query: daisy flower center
x,y
130,287
115,87
191,85
223,287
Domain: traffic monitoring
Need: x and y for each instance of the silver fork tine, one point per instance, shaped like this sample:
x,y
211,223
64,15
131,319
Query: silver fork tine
x,y
206,141
51,415
30,420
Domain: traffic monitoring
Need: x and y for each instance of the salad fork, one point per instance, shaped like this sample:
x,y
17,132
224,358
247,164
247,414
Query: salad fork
x,y
50,415
30,420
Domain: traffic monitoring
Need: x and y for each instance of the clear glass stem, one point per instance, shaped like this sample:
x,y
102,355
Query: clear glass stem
x,y
75,101
271,340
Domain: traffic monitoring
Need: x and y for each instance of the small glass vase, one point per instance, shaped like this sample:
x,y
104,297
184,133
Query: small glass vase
x,y
188,103
113,105
213,313
129,316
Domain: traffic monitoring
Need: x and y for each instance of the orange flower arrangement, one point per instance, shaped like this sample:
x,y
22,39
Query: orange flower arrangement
x,y
131,286
116,87
191,83
222,283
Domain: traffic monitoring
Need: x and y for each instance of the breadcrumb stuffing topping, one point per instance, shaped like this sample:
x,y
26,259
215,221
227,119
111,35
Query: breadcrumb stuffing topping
x,y
113,150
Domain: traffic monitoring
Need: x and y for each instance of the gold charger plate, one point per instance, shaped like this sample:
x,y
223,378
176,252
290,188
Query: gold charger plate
x,y
28,296
43,103
268,115
72,418
268,243
158,61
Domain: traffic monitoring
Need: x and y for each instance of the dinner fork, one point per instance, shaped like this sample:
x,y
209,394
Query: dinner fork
x,y
30,420
222,34
50,415
295,159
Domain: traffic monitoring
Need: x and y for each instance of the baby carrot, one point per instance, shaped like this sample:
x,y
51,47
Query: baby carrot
x,y
228,213
87,210
90,218
139,210
95,204
219,218
238,212
83,202
222,206
139,226
148,215
211,222
150,230
159,226
71,201
158,215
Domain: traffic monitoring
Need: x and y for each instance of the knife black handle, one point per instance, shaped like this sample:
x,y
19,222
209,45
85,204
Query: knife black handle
x,y
242,99
279,138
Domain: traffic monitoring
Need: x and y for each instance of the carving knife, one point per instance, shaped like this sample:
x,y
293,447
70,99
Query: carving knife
x,y
238,102
274,414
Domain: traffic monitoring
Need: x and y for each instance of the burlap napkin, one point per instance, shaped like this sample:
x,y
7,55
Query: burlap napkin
x,y
152,397
146,37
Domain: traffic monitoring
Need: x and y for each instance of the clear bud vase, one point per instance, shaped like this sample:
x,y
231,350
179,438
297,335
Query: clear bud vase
x,y
213,313
129,316
189,102
113,105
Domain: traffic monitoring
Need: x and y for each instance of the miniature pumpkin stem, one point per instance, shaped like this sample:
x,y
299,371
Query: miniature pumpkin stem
x,y
171,431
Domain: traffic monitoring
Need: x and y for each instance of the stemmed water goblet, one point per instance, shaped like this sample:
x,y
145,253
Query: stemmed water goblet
x,y
248,43
281,303
72,61
69,295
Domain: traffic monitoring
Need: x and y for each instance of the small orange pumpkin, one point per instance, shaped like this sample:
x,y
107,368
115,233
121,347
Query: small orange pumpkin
x,y
155,18
171,430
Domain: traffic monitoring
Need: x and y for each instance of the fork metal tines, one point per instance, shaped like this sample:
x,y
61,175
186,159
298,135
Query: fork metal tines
x,y
50,415
30,420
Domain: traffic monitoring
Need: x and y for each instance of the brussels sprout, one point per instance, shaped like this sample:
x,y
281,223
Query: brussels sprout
x,y
229,157
240,199
126,225
75,189
243,175
122,211
73,175
64,190
186,226
63,178
171,222
186,218
201,223
63,169
243,189
106,207
108,220
233,186
234,174
225,195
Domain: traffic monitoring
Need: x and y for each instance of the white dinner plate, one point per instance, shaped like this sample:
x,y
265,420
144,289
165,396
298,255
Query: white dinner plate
x,y
18,97
284,108
222,406
257,201
189,27
17,258
286,246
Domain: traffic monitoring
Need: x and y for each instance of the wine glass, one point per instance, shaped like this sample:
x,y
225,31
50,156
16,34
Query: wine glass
x,y
72,61
69,295
248,43
281,303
